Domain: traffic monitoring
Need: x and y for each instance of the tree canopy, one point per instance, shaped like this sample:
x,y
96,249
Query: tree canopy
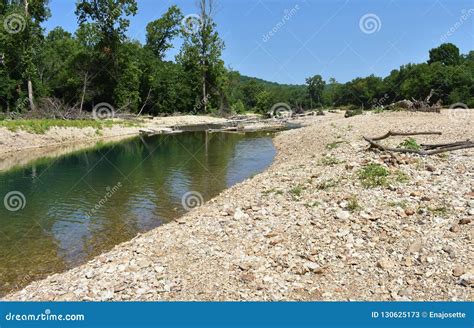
x,y
99,63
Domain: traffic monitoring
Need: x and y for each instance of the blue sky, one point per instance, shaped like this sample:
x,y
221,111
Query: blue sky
x,y
316,36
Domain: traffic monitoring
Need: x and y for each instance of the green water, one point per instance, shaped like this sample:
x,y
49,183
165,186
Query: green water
x,y
77,206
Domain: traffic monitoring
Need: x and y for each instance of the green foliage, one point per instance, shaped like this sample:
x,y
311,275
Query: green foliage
x,y
316,86
238,107
264,102
373,175
447,54
161,32
410,143
98,63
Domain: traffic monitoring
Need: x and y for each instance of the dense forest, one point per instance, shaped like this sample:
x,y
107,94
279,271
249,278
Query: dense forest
x,y
100,64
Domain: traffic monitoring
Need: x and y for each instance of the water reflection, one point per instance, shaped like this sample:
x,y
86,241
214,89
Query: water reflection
x,y
54,231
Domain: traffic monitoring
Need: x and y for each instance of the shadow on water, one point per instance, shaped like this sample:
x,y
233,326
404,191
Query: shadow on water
x,y
77,206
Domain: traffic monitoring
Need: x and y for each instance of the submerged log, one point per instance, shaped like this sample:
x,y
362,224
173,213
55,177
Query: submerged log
x,y
150,132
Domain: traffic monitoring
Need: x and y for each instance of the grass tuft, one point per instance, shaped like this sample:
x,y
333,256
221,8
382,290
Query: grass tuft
x,y
373,175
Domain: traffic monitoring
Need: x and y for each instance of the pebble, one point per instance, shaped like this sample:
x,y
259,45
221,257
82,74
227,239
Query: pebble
x,y
342,215
464,221
385,264
415,247
458,271
467,279
239,214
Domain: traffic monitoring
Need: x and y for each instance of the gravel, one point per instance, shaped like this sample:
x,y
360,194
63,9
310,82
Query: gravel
x,y
334,239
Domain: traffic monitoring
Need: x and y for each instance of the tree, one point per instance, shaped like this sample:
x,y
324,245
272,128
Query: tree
x,y
315,87
447,54
109,17
161,31
19,40
264,102
201,55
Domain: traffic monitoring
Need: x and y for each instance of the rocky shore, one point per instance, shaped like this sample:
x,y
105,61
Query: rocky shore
x,y
309,228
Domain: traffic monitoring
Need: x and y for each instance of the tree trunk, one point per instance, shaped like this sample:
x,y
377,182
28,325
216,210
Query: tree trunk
x,y
30,84
30,94
204,52
84,89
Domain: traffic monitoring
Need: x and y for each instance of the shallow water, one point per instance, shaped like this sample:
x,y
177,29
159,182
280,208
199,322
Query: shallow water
x,y
58,213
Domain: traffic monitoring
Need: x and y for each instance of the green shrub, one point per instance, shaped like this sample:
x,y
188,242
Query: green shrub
x,y
238,107
373,175
410,143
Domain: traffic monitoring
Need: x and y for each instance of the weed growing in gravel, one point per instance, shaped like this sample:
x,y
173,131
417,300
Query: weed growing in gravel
x,y
273,190
312,204
373,175
401,176
329,161
403,204
410,143
441,210
353,204
334,145
324,185
296,191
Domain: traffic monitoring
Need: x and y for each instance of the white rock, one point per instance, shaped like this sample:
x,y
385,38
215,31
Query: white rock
x,y
342,215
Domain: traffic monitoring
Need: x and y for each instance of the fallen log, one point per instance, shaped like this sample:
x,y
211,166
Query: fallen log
x,y
425,150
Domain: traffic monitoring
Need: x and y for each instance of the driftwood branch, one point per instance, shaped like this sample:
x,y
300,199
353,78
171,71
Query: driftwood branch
x,y
425,149
393,134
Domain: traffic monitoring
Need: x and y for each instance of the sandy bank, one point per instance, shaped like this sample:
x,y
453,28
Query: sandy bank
x,y
20,147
